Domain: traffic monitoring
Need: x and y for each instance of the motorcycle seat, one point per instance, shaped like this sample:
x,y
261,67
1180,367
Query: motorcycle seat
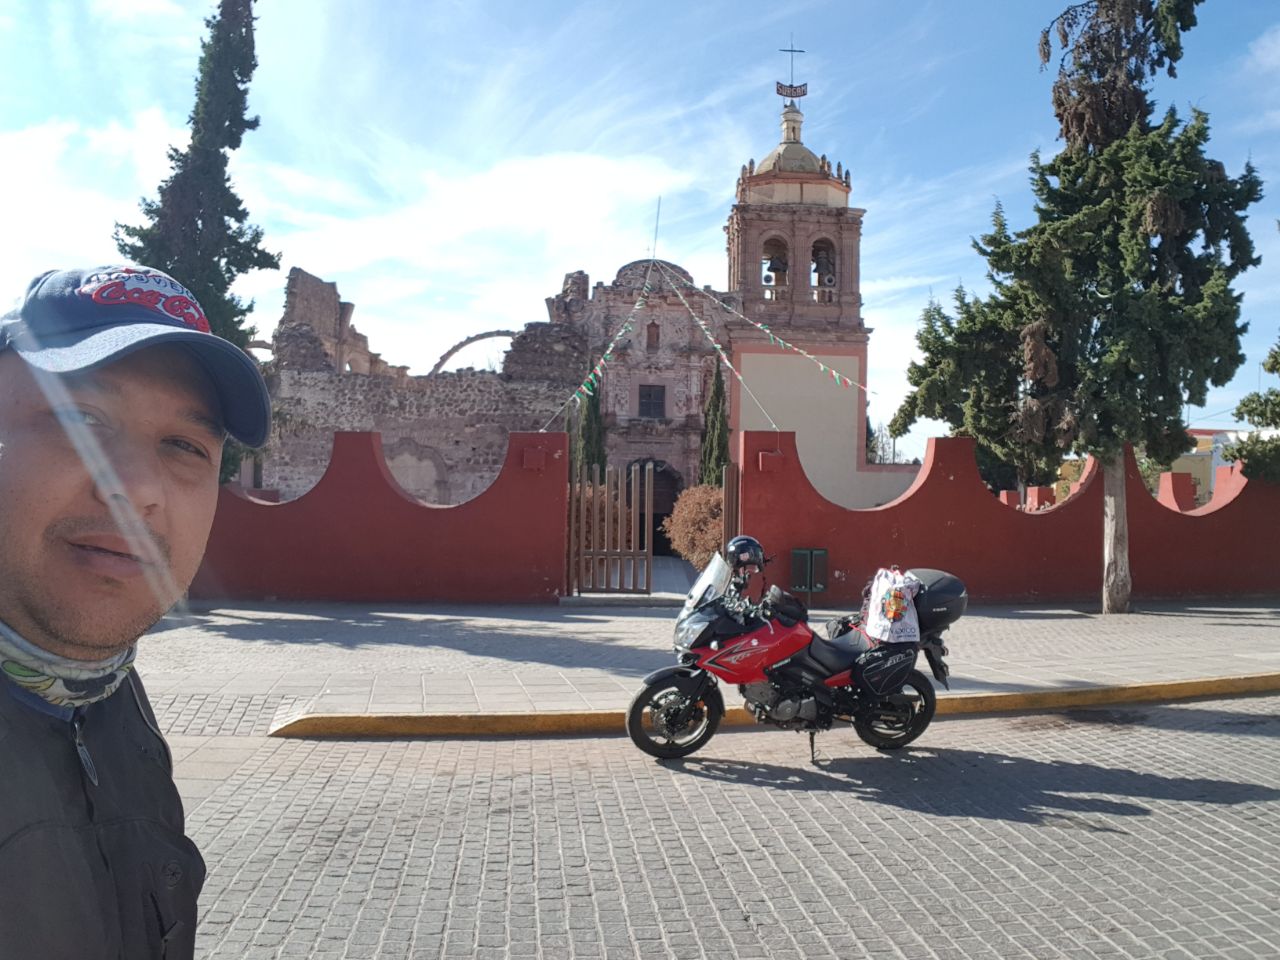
x,y
839,653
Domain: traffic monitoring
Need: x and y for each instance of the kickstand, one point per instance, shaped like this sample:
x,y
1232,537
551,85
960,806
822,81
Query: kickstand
x,y
813,750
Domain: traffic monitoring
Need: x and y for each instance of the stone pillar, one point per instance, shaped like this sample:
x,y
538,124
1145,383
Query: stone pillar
x,y
1040,497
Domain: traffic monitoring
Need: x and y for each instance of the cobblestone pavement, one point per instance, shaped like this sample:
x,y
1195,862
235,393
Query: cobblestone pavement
x,y
232,670
1149,832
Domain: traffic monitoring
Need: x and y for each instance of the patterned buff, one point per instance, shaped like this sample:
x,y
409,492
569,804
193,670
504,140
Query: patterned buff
x,y
59,680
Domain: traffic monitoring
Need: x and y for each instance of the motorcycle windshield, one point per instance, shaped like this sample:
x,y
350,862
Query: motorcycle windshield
x,y
712,583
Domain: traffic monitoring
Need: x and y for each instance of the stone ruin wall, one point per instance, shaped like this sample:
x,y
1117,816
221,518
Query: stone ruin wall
x,y
444,439
444,436
316,331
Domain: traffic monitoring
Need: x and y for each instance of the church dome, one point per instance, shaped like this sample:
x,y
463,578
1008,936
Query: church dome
x,y
634,274
790,156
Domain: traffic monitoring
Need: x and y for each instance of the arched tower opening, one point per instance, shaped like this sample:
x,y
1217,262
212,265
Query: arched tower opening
x,y
823,275
774,268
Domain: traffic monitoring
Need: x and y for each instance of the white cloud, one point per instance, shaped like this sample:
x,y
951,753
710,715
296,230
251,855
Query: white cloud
x,y
70,184
1264,122
888,285
140,148
466,251
1264,52
54,218
120,10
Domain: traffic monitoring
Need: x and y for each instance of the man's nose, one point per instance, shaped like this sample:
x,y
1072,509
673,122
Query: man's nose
x,y
131,473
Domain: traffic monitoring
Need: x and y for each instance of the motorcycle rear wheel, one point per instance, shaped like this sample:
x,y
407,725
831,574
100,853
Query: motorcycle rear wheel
x,y
654,725
889,726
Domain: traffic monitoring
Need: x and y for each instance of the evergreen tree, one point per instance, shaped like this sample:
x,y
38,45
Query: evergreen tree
x,y
1261,454
1117,303
589,446
715,434
197,229
971,377
872,448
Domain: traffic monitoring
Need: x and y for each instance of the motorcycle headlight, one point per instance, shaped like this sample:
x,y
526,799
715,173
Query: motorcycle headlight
x,y
689,629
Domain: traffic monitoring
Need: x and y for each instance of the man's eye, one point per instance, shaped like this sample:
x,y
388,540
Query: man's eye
x,y
78,417
187,446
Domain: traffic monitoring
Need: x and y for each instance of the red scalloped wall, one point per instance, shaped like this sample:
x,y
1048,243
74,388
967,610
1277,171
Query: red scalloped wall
x,y
949,520
357,536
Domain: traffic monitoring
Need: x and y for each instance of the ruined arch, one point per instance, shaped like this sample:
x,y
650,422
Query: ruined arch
x,y
466,343
419,469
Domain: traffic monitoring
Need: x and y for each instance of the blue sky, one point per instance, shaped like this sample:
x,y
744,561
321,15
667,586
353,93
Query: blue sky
x,y
446,163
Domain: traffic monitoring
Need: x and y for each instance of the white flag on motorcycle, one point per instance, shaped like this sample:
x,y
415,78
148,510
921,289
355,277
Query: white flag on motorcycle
x,y
891,611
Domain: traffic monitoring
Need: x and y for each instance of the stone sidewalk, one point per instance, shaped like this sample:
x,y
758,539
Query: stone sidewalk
x,y
238,670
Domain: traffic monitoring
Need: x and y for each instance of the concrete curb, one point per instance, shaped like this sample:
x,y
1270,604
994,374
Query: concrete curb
x,y
648,600
553,723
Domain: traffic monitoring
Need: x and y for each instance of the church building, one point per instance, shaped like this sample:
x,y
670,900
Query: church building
x,y
793,265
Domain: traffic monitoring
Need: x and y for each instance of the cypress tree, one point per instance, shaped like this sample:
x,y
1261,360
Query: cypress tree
x,y
197,229
589,446
870,445
715,434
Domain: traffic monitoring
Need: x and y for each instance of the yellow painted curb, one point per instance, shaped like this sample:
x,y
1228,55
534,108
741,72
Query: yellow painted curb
x,y
1058,697
551,723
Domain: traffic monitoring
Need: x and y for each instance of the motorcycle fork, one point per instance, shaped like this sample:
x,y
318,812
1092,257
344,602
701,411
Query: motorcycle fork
x,y
694,697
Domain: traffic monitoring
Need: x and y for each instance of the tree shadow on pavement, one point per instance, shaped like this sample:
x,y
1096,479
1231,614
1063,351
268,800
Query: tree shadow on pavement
x,y
1030,613
522,636
985,786
1180,717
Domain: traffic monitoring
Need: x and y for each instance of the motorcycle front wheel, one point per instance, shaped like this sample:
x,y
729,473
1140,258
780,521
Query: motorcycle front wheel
x,y
667,723
893,723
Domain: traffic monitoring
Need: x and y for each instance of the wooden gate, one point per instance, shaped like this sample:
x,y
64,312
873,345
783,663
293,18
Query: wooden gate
x,y
611,531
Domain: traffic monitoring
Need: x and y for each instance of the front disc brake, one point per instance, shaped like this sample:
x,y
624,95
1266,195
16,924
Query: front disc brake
x,y
669,720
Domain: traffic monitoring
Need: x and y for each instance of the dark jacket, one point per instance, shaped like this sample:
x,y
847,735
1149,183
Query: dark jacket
x,y
92,870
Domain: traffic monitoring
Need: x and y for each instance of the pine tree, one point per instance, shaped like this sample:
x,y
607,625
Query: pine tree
x,y
972,378
197,229
1117,303
715,434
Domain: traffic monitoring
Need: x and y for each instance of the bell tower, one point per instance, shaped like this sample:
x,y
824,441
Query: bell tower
x,y
794,247
793,239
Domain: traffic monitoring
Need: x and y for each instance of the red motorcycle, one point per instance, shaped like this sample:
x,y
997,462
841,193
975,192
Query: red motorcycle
x,y
791,676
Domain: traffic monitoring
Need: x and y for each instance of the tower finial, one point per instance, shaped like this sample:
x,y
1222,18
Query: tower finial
x,y
792,90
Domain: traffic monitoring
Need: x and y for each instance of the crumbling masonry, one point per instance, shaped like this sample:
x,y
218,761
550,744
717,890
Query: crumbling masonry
x,y
445,435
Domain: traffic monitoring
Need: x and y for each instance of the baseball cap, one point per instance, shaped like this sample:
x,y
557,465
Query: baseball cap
x,y
74,320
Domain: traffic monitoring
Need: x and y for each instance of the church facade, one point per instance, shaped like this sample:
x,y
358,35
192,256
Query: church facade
x,y
793,245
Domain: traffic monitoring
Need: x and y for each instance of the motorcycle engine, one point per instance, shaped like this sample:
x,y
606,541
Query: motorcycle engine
x,y
770,702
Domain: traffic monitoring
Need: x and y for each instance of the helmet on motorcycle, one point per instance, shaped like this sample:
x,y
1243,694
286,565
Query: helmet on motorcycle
x,y
743,552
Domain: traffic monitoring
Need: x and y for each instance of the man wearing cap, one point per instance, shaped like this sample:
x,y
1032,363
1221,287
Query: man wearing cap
x,y
115,400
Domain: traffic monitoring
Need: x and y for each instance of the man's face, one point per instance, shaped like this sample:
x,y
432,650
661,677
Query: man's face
x,y
95,547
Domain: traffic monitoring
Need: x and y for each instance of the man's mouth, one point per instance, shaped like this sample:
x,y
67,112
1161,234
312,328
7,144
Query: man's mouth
x,y
110,547
89,548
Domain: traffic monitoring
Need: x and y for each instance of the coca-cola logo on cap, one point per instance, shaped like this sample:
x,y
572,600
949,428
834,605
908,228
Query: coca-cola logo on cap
x,y
149,289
